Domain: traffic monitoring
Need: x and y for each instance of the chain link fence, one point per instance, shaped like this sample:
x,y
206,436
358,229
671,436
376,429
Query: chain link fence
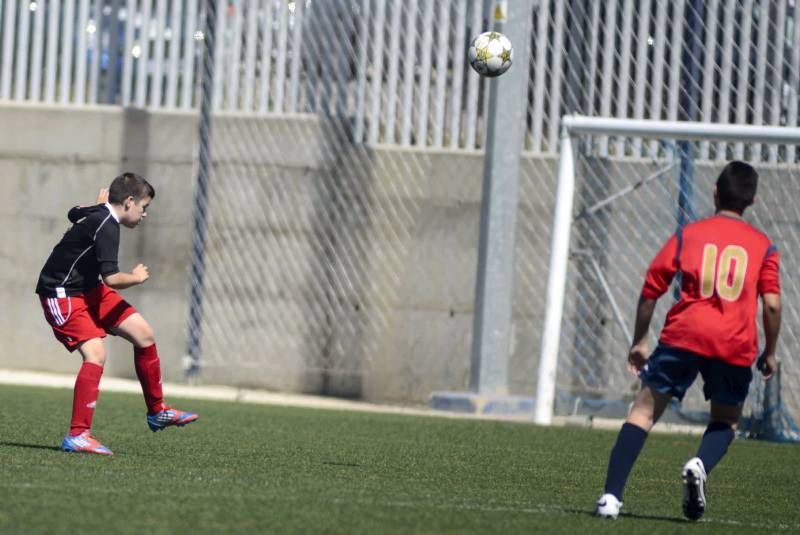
x,y
625,209
343,204
397,70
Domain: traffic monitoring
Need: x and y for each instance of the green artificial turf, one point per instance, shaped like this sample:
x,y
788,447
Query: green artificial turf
x,y
263,469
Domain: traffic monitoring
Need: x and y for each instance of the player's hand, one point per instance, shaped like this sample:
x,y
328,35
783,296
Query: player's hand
x,y
141,273
102,196
637,358
767,364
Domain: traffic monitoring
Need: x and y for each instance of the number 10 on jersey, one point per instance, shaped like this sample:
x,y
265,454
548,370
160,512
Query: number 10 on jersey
x,y
723,272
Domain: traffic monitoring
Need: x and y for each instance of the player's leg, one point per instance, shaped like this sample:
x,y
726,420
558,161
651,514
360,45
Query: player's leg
x,y
719,434
138,332
76,328
87,385
668,373
647,409
726,386
84,401
121,319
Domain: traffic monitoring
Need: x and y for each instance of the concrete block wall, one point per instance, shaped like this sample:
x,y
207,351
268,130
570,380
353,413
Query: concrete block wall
x,y
52,158
414,308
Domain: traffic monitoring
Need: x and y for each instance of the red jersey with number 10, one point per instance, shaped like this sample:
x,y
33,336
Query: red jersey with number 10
x,y
725,264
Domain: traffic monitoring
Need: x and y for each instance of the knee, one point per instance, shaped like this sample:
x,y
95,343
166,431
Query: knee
x,y
146,337
646,410
725,415
96,356
723,423
642,420
643,416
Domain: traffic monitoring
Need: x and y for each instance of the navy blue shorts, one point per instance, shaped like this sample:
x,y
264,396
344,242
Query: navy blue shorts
x,y
672,371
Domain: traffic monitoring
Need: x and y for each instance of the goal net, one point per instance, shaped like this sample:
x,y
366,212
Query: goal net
x,y
630,185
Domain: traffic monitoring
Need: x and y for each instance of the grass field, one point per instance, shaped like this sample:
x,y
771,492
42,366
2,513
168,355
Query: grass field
x,y
249,468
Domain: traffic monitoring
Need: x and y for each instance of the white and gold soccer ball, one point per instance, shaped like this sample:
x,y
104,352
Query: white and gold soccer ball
x,y
490,54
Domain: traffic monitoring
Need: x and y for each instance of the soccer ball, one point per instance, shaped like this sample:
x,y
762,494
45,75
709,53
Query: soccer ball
x,y
490,54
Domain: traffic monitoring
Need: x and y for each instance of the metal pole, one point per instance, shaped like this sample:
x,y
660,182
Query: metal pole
x,y
556,281
689,108
690,105
112,85
193,349
492,319
577,64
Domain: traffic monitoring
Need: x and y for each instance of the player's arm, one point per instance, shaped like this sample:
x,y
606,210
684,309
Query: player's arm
x,y
121,280
106,246
637,356
769,287
771,317
657,281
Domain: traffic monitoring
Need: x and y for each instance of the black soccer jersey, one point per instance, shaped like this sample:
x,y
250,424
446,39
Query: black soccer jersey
x,y
88,250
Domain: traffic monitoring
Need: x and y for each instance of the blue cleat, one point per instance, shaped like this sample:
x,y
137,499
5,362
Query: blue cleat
x,y
168,417
84,443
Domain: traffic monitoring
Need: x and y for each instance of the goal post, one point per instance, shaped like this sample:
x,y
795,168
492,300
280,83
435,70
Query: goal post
x,y
616,202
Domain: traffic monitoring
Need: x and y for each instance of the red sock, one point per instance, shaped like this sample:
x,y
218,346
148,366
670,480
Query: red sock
x,y
148,370
87,388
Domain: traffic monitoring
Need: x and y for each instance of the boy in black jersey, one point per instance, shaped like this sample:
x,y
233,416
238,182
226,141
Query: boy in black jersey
x,y
77,290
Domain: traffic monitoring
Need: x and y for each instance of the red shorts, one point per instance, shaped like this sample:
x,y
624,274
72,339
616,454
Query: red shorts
x,y
78,318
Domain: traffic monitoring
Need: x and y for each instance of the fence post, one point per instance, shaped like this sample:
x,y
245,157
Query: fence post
x,y
193,350
112,86
492,319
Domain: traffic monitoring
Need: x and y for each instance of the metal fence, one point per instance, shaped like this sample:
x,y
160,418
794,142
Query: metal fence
x,y
396,68
344,191
624,210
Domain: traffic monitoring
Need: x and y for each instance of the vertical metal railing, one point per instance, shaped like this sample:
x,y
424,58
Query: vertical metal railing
x,y
22,52
709,69
377,74
442,53
425,73
406,80
794,79
539,77
394,66
459,43
408,72
625,66
35,85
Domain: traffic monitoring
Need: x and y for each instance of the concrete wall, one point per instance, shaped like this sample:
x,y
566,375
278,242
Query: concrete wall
x,y
52,158
399,331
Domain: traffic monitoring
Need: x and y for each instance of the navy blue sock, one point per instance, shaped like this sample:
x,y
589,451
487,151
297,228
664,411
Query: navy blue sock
x,y
630,441
716,439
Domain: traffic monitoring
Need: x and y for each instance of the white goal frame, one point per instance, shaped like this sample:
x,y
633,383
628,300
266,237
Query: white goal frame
x,y
572,125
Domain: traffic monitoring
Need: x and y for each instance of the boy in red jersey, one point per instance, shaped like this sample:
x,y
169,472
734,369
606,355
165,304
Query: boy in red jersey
x,y
77,291
725,265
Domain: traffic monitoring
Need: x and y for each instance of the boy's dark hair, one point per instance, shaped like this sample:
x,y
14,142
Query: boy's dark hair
x,y
736,186
129,185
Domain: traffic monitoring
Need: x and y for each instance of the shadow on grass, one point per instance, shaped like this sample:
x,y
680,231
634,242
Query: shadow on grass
x,y
670,519
32,446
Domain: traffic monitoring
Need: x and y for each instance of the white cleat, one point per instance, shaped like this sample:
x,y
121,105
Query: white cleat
x,y
608,506
694,489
